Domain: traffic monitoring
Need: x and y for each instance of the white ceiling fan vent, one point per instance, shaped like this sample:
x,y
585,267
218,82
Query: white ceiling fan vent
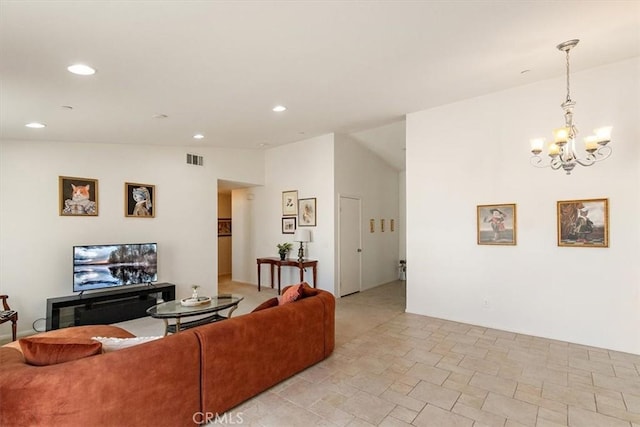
x,y
194,159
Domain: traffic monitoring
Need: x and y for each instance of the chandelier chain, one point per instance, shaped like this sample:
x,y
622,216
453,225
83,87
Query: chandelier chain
x,y
568,84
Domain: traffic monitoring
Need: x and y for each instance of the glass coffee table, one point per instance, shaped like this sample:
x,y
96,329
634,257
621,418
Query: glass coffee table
x,y
211,310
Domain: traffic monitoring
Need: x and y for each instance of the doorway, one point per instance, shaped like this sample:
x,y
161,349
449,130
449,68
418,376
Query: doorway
x,y
350,246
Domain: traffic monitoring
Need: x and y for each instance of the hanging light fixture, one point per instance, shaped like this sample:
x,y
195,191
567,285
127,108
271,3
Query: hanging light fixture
x,y
562,151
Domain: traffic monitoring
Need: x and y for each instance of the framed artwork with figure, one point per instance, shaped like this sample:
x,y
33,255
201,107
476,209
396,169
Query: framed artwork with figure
x,y
496,224
77,196
583,223
139,200
290,203
307,212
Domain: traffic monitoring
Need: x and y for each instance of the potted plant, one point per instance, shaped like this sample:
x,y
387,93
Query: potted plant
x,y
283,249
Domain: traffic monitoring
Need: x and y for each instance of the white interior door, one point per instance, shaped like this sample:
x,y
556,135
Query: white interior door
x,y
350,249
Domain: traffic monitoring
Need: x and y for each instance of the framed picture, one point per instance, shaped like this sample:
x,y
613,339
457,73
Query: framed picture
x,y
77,196
289,225
139,200
290,203
224,227
497,224
583,223
307,212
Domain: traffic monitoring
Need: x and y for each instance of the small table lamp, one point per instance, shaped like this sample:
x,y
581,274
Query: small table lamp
x,y
302,236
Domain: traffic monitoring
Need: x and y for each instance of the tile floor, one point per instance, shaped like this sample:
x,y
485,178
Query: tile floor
x,y
391,368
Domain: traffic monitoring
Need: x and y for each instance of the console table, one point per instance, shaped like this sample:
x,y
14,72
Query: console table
x,y
112,306
274,261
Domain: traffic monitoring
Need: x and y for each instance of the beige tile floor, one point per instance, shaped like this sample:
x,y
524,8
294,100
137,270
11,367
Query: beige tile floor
x,y
391,368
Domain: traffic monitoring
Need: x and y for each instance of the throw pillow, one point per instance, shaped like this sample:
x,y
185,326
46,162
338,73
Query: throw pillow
x,y
272,302
291,294
113,344
307,291
43,351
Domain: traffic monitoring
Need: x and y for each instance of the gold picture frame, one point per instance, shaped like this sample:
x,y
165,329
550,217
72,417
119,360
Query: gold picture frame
x,y
139,200
77,196
496,224
583,223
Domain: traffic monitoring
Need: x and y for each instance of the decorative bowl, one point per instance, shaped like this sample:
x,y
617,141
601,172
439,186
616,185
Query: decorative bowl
x,y
190,302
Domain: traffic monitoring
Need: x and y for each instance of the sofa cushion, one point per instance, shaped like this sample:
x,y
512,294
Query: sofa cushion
x,y
307,291
112,344
291,294
43,351
271,302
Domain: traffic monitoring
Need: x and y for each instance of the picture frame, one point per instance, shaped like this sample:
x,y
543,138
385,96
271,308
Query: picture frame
x,y
290,203
224,227
583,223
139,200
496,224
77,196
289,225
307,212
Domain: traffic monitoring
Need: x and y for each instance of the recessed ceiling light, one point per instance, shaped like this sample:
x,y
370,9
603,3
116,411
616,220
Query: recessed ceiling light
x,y
279,108
81,69
198,136
35,125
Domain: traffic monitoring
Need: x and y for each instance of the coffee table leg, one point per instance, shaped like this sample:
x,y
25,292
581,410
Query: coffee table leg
x,y
231,310
166,327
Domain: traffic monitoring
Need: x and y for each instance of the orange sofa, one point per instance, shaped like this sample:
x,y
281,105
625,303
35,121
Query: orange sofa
x,y
182,379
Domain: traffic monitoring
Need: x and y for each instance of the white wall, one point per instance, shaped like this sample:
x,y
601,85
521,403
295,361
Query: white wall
x,y
361,173
36,243
306,166
476,152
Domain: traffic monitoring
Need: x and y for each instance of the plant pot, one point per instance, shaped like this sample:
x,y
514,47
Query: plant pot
x,y
283,255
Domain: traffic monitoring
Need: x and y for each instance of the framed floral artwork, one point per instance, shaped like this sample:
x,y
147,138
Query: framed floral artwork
x,y
307,212
139,200
77,196
290,203
583,223
496,224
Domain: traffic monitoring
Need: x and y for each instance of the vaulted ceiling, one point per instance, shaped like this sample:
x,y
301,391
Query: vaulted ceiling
x,y
219,67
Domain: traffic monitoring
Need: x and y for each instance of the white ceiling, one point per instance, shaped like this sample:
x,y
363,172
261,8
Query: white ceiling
x,y
218,67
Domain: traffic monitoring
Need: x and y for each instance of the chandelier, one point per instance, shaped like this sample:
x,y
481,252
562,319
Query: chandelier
x,y
562,151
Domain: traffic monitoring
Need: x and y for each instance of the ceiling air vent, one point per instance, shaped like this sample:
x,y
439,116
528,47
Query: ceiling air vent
x,y
194,159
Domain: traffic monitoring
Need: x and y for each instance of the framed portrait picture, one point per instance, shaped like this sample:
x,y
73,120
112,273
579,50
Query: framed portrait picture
x,y
307,212
224,227
290,203
77,196
289,225
583,223
497,224
139,200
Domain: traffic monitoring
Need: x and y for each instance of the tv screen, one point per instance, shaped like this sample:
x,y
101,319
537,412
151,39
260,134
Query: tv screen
x,y
105,266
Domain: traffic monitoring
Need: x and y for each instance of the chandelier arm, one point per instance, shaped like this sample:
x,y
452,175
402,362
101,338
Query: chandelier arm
x,y
556,163
537,162
587,161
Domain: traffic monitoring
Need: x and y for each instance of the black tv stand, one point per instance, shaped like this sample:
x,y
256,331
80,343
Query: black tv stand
x,y
112,306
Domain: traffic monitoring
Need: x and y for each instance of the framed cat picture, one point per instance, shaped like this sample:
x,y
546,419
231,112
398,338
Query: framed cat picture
x,y
78,196
139,200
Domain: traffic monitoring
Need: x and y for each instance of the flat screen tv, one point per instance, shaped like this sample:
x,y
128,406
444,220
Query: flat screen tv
x,y
107,266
